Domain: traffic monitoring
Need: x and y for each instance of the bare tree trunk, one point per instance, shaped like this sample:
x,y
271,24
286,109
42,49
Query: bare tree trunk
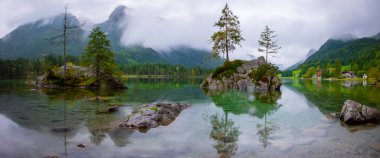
x,y
266,58
97,67
227,58
64,44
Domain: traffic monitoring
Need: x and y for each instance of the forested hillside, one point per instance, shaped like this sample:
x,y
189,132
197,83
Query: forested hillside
x,y
358,55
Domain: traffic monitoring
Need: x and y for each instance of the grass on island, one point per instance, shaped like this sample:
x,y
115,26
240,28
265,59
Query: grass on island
x,y
227,69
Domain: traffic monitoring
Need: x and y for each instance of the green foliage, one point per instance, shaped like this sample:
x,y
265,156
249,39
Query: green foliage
x,y
338,68
227,69
162,69
269,70
267,44
297,73
30,68
310,72
229,34
98,55
357,55
374,73
154,108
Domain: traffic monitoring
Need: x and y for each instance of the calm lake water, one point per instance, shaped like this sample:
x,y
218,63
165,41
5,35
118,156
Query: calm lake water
x,y
290,123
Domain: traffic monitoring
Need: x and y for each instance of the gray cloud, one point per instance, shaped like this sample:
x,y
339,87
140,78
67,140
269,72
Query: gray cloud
x,y
301,25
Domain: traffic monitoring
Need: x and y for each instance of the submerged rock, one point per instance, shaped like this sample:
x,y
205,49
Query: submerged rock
x,y
356,113
99,98
110,109
153,115
236,75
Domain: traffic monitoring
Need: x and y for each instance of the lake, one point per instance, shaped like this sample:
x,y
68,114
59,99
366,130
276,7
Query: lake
x,y
289,123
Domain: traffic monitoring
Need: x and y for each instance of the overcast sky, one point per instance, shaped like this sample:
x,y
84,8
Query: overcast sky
x,y
301,25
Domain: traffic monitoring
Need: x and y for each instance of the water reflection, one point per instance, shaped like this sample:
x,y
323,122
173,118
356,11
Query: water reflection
x,y
238,124
225,133
332,94
258,104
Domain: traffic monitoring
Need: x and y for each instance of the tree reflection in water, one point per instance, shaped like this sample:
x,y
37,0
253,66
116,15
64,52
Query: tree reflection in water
x,y
225,134
266,104
258,104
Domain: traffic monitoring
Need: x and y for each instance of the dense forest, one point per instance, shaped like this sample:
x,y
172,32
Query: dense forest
x,y
27,68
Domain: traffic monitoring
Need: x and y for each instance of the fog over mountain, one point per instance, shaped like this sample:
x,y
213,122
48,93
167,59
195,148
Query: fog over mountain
x,y
161,24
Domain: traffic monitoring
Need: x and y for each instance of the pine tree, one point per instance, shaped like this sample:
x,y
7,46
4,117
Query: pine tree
x,y
229,34
98,55
267,44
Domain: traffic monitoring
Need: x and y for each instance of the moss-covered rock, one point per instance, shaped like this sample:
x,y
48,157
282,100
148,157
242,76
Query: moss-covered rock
x,y
78,77
241,74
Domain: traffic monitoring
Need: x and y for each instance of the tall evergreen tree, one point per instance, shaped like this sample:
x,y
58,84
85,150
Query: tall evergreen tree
x,y
98,55
267,44
338,68
229,34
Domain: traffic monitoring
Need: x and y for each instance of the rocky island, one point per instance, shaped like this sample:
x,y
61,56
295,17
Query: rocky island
x,y
77,77
241,75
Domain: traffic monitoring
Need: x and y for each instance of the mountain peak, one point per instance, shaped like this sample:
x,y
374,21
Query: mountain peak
x,y
118,13
377,37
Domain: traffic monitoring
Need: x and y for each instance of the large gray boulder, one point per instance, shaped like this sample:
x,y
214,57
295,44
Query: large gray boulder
x,y
153,115
356,113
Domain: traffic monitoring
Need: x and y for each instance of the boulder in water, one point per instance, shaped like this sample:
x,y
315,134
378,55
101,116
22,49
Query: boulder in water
x,y
356,113
153,115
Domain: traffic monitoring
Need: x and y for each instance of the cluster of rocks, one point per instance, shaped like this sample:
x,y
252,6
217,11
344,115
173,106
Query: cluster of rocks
x,y
241,79
153,115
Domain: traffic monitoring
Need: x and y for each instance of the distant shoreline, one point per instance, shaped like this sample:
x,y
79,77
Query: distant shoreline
x,y
161,76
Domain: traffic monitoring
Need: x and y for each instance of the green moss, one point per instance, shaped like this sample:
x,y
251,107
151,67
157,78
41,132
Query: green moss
x,y
263,70
154,108
227,69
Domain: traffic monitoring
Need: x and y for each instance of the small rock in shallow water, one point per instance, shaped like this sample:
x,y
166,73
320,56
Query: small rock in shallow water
x,y
153,115
81,145
112,108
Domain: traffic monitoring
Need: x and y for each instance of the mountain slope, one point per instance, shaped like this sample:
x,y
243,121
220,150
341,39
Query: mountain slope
x,y
365,52
31,41
294,66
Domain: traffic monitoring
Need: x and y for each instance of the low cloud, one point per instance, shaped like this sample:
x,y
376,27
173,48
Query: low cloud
x,y
160,24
